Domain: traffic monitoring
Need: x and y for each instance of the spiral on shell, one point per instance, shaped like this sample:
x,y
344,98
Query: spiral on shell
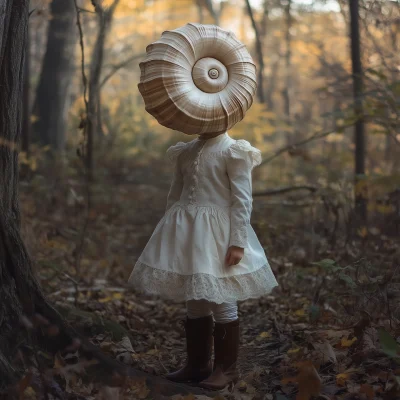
x,y
198,79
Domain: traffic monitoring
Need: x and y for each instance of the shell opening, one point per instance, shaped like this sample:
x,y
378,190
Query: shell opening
x,y
213,73
210,75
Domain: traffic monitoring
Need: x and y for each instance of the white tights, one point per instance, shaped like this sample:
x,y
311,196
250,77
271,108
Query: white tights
x,y
223,313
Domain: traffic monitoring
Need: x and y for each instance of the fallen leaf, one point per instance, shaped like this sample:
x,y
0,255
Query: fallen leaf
x,y
24,382
265,335
347,342
139,388
326,351
300,313
29,393
368,390
109,393
342,378
308,380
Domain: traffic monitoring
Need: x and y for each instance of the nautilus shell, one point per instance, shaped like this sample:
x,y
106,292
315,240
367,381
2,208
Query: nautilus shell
x,y
198,79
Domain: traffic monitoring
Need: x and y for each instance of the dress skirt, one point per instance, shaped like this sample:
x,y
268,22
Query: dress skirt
x,y
185,259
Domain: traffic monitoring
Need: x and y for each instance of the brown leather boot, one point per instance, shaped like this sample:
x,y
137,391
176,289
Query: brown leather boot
x,y
226,350
199,339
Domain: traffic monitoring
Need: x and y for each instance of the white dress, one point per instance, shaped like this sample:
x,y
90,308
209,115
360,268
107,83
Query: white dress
x,y
208,209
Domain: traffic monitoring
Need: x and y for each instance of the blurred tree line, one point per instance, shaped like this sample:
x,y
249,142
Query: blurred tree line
x,y
305,51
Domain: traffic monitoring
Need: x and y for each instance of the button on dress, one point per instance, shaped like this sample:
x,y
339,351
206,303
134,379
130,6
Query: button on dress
x,y
208,210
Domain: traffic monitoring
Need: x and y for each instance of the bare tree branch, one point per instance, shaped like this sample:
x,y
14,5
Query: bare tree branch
x,y
119,66
316,136
84,78
278,191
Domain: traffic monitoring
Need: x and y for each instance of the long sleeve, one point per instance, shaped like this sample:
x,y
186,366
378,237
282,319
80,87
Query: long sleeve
x,y
175,190
176,187
243,158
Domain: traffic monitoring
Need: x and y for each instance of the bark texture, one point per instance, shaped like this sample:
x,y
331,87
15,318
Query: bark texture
x,y
288,70
259,52
359,136
20,293
15,266
56,75
26,119
94,120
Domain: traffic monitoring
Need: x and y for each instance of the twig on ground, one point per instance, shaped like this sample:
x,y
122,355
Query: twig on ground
x,y
89,288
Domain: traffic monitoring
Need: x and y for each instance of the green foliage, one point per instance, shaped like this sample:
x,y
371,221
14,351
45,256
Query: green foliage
x,y
389,345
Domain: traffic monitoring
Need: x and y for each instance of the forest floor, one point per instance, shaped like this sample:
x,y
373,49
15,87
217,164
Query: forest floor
x,y
324,332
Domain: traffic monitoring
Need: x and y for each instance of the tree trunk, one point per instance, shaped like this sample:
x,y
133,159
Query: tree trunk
x,y
272,77
359,137
200,11
56,75
213,12
26,119
288,70
94,126
17,284
259,51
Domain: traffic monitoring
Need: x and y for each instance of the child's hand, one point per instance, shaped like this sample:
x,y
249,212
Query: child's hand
x,y
234,255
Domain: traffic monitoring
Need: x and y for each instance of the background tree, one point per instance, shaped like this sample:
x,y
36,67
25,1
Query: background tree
x,y
259,52
18,287
287,89
94,129
359,135
50,107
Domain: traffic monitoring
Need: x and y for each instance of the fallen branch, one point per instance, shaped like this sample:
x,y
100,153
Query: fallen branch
x,y
88,288
273,192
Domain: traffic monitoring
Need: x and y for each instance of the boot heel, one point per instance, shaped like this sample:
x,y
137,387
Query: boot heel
x,y
226,345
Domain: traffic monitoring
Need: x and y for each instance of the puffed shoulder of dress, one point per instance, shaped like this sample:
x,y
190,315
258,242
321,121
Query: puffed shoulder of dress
x,y
242,149
174,151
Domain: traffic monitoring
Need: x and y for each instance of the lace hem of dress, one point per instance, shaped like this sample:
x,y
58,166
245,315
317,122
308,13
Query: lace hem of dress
x,y
172,285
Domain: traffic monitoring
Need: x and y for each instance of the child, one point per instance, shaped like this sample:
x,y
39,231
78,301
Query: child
x,y
205,252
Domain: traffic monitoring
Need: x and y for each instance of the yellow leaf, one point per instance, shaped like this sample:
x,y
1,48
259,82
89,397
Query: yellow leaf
x,y
300,313
105,299
363,232
29,393
384,209
242,385
347,342
342,378
153,352
294,350
117,296
265,335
